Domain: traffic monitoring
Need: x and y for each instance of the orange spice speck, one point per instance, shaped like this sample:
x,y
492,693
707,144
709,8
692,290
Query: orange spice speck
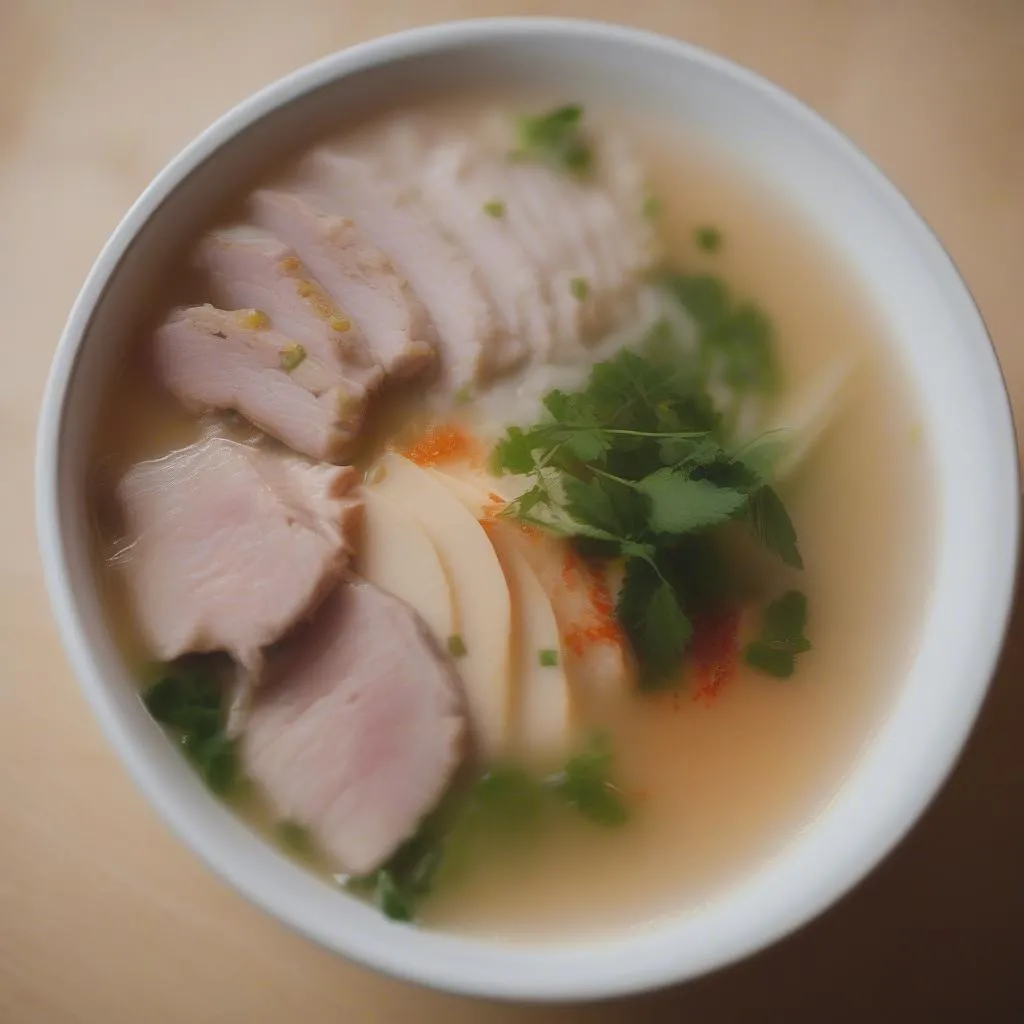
x,y
599,625
714,653
569,565
446,442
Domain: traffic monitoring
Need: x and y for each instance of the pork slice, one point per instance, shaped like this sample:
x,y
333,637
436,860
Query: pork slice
x,y
357,276
460,188
250,267
476,343
229,546
216,359
591,229
359,728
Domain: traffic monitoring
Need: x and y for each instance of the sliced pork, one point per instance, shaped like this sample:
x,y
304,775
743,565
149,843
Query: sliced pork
x,y
463,191
477,344
250,267
359,727
229,546
357,275
564,258
217,359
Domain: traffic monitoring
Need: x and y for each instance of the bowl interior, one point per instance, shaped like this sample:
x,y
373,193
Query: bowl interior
x,y
937,336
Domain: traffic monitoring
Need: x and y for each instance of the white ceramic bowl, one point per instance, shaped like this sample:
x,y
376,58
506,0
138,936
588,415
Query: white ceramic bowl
x,y
933,325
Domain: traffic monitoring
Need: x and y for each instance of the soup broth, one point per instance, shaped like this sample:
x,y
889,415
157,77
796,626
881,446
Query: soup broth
x,y
717,780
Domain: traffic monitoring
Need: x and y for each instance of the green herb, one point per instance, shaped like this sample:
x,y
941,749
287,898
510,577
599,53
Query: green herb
x,y
708,239
680,503
292,356
638,465
186,698
651,612
294,837
736,340
773,527
391,897
585,783
393,902
651,207
464,395
580,288
548,658
555,138
782,636
494,208
456,646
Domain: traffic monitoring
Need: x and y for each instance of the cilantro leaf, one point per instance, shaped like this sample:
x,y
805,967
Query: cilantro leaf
x,y
762,456
772,526
782,636
592,502
556,139
585,783
705,297
587,445
388,895
654,621
216,759
514,453
185,697
736,339
680,504
707,238
745,345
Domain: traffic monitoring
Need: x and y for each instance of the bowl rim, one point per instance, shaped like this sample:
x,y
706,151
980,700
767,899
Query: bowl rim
x,y
582,974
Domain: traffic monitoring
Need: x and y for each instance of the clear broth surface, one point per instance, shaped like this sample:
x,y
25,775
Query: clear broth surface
x,y
719,788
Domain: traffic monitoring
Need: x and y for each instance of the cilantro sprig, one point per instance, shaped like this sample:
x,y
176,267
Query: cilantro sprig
x,y
638,465
555,138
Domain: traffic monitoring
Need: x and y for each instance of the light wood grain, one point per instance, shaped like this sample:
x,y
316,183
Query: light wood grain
x,y
103,916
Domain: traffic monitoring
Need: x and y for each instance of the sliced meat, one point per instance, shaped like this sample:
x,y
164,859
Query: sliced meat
x,y
250,267
229,546
360,278
464,194
359,727
216,359
477,344
592,230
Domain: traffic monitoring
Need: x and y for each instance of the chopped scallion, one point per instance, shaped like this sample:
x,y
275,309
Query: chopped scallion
x,y
292,356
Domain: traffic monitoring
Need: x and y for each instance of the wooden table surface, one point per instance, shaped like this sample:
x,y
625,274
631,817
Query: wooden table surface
x,y
103,916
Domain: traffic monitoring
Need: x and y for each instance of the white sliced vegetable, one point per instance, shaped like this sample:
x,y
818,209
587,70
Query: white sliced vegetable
x,y
478,586
397,556
806,417
541,695
544,711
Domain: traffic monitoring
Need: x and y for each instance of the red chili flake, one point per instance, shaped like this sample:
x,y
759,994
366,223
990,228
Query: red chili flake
x,y
714,653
